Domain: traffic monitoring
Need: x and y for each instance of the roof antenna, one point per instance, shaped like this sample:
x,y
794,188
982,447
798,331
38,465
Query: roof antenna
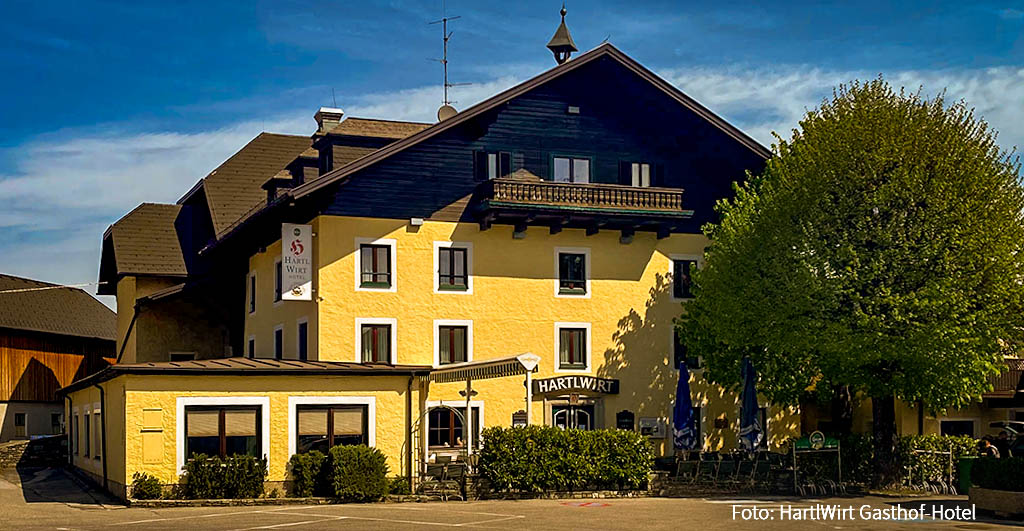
x,y
334,98
446,111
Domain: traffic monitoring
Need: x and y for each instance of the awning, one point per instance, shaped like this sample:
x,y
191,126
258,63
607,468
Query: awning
x,y
483,369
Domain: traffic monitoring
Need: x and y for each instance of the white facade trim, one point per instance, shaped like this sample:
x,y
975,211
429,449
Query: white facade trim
x,y
184,401
585,251
469,267
360,321
438,323
368,401
390,242
590,341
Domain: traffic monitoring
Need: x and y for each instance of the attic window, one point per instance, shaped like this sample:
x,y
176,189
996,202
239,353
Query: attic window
x,y
492,165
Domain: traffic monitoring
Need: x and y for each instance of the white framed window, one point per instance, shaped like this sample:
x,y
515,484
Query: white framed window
x,y
279,342
680,268
375,265
252,292
572,272
302,338
202,404
295,403
376,340
573,344
97,431
453,267
570,169
640,173
453,341
450,433
278,280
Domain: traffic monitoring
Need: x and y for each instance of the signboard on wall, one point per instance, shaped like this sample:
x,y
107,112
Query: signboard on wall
x,y
296,262
567,385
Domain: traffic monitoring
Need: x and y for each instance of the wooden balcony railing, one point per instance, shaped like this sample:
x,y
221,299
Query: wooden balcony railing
x,y
603,197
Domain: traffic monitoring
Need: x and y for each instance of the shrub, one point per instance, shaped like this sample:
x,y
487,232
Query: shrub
x,y
146,487
237,476
400,486
1000,474
358,473
914,465
543,458
308,474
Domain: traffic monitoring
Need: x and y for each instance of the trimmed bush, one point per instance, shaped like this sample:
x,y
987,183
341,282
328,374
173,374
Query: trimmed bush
x,y
146,487
400,486
999,474
234,477
358,473
308,474
544,458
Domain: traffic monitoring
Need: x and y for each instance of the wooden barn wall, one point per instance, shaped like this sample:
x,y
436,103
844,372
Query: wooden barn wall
x,y
33,366
622,118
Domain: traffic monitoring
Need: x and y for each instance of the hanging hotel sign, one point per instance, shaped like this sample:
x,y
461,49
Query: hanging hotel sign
x,y
576,384
296,262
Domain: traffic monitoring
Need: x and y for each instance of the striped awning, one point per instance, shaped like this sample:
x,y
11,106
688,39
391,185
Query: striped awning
x,y
483,369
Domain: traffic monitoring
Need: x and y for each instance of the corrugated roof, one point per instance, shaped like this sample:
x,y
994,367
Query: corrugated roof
x,y
146,242
377,128
234,189
27,304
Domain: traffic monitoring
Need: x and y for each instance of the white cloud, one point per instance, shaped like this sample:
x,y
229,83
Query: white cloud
x,y
65,188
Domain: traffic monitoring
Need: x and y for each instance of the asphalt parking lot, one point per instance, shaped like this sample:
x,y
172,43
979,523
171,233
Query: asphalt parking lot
x,y
49,500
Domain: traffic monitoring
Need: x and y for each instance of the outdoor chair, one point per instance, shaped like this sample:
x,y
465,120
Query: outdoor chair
x,y
686,470
707,468
726,475
762,474
745,472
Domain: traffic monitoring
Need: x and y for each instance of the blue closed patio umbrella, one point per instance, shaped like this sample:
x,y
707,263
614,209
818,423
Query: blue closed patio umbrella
x,y
684,427
751,431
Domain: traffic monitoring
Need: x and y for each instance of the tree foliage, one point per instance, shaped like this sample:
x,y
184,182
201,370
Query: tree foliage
x,y
880,248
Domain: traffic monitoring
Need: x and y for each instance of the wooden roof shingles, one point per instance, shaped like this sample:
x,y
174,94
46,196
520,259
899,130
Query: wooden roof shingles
x,y
37,306
375,128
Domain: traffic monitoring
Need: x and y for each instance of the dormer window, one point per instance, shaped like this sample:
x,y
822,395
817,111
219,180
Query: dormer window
x,y
492,165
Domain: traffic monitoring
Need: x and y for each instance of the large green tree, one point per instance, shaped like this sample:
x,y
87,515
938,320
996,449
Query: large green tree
x,y
880,249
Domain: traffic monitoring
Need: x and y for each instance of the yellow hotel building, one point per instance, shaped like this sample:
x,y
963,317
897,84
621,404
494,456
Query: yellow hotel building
x,y
532,249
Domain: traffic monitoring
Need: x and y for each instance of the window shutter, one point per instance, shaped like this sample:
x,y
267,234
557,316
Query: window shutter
x,y
659,175
504,164
480,166
625,173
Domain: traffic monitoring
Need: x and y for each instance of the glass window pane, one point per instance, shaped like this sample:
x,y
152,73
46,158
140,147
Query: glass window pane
x,y
581,171
202,423
492,165
382,261
348,421
635,173
366,259
367,343
444,344
240,422
312,421
445,259
384,343
459,262
561,170
645,175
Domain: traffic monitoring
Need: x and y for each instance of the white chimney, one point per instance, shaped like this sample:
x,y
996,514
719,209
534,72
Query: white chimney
x,y
327,117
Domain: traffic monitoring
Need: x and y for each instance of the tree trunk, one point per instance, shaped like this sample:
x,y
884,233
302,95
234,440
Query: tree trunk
x,y
883,412
842,410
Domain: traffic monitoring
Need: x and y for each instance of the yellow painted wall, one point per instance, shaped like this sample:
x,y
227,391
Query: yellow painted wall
x,y
513,309
112,407
151,413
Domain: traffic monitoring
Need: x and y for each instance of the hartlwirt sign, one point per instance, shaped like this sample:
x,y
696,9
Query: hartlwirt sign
x,y
296,262
576,384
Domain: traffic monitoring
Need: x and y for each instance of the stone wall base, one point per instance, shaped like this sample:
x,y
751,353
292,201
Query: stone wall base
x,y
1002,503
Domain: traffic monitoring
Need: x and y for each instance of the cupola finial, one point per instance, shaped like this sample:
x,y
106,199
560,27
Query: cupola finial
x,y
561,44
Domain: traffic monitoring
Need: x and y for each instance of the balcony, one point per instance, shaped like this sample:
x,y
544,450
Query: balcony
x,y
523,202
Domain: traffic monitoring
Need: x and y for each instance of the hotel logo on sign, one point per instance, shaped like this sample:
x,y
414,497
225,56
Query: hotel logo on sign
x,y
296,262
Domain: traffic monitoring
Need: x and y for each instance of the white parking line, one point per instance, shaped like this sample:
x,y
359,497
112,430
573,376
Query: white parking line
x,y
213,515
491,521
396,521
289,524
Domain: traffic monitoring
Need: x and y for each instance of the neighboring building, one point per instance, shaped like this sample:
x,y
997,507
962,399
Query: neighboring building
x,y
534,248
50,336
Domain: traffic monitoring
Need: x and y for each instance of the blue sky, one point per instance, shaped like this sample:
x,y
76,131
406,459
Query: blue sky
x,y
108,104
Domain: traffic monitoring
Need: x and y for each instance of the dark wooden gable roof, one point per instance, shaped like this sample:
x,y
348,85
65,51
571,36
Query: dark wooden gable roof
x,y
375,128
44,307
604,50
234,190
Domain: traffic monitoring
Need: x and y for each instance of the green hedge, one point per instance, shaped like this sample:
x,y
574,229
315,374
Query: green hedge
x,y
146,487
1000,474
308,474
544,458
234,477
358,473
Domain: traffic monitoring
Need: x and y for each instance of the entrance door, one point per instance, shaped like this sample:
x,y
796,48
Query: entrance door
x,y
573,417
